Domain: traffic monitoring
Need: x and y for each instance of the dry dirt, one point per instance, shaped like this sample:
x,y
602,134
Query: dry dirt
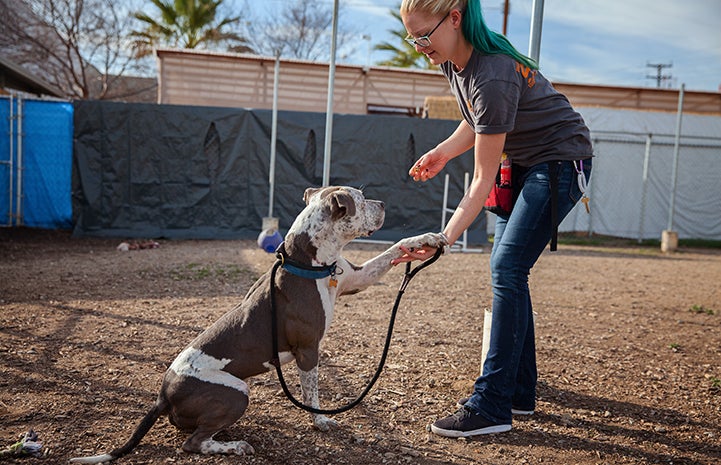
x,y
629,354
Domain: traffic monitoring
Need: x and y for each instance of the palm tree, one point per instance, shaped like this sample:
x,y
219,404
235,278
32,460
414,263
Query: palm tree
x,y
186,24
406,55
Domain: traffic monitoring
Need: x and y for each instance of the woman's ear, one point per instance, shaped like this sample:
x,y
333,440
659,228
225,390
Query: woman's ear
x,y
456,17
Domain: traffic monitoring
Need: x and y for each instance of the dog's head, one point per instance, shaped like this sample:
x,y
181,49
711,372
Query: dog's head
x,y
334,216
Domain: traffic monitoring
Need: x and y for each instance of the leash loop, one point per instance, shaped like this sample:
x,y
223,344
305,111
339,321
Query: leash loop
x,y
275,360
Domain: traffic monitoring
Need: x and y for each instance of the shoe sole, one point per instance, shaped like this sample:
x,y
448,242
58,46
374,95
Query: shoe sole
x,y
452,433
522,412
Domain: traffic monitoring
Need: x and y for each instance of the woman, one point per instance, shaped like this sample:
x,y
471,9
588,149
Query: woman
x,y
508,107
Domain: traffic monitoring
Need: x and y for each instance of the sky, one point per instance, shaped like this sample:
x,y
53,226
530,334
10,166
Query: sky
x,y
601,42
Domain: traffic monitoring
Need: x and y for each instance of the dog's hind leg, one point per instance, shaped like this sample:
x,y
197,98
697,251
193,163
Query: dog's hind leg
x,y
209,410
309,387
217,417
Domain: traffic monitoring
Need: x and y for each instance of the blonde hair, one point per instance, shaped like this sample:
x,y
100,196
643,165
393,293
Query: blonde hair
x,y
474,27
432,7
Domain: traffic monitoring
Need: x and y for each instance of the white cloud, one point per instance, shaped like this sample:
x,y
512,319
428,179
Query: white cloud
x,y
691,25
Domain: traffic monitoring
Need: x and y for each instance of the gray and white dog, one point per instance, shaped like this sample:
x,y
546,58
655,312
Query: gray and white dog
x,y
204,392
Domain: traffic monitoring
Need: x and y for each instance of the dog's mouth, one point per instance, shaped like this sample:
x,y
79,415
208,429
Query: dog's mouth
x,y
376,219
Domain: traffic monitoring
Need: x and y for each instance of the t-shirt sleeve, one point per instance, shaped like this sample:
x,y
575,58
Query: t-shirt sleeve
x,y
495,104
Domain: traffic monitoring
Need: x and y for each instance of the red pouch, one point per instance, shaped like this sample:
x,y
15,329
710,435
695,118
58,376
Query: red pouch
x,y
500,200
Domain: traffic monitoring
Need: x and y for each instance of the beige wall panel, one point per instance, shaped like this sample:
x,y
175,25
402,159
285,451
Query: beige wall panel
x,y
188,77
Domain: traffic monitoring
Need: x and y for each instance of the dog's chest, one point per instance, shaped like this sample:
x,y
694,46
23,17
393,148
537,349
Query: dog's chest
x,y
327,295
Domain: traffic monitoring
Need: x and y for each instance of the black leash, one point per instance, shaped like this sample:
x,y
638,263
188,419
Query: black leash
x,y
409,274
553,169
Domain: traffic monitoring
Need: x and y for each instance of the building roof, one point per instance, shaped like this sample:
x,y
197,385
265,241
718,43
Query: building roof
x,y
13,76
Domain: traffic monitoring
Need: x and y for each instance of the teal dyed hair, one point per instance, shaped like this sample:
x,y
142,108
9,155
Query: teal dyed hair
x,y
474,27
487,41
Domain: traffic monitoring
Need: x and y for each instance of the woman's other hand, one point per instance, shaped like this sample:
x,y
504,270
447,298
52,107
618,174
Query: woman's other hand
x,y
428,166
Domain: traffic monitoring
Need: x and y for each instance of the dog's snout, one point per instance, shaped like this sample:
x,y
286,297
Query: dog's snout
x,y
378,203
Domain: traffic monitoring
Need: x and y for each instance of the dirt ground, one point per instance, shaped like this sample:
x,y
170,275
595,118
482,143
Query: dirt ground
x,y
629,355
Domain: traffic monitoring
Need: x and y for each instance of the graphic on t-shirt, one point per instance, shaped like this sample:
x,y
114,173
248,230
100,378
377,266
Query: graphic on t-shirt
x,y
528,73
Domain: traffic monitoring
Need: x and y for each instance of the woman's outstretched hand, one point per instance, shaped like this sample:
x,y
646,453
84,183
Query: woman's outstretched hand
x,y
410,254
427,166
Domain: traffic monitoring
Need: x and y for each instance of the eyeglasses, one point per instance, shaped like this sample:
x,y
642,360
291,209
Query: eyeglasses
x,y
425,41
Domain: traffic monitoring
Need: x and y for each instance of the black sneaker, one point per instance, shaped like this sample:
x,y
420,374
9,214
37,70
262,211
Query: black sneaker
x,y
514,411
465,423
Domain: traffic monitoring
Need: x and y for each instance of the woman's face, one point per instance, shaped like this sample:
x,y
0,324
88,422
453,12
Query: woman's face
x,y
431,34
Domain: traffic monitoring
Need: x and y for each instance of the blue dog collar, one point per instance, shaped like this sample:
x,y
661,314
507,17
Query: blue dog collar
x,y
305,271
316,272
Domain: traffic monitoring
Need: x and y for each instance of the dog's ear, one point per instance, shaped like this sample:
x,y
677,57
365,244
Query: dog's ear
x,y
309,193
341,204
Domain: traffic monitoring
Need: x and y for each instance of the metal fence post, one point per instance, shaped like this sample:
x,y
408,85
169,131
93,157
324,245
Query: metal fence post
x,y
11,139
674,166
19,168
644,185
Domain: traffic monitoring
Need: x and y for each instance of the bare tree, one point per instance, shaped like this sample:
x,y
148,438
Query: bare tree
x,y
300,30
78,46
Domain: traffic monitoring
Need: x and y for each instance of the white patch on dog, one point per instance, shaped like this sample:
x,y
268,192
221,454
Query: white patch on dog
x,y
195,364
211,446
309,388
284,357
327,299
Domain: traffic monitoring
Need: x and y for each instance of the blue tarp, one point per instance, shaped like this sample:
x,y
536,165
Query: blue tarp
x,y
36,148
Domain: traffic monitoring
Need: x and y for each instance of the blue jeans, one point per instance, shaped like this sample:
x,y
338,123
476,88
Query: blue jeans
x,y
509,371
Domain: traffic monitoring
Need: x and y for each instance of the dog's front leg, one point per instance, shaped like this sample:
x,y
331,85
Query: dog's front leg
x,y
309,387
359,278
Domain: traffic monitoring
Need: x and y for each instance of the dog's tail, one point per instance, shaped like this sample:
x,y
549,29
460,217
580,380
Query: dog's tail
x,y
145,424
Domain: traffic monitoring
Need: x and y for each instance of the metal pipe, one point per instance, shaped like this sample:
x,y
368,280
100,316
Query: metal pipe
x,y
464,246
644,185
534,44
674,167
20,169
592,186
445,201
329,108
11,126
273,135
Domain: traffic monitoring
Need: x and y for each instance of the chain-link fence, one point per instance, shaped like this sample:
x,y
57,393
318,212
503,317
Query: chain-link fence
x,y
643,184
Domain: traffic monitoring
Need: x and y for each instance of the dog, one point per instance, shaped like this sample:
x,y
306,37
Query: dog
x,y
203,391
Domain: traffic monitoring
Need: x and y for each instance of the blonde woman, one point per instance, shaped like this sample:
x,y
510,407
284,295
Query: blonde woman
x,y
510,108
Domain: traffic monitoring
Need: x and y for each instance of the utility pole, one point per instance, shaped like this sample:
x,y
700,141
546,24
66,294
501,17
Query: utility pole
x,y
659,77
506,12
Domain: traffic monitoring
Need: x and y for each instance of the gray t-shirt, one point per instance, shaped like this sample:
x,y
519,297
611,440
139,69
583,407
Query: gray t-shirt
x,y
496,94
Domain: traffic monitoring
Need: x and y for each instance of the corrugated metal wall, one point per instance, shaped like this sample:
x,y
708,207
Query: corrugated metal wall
x,y
190,77
211,79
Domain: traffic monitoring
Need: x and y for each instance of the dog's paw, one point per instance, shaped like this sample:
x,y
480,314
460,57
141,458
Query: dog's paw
x,y
241,448
324,423
428,239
